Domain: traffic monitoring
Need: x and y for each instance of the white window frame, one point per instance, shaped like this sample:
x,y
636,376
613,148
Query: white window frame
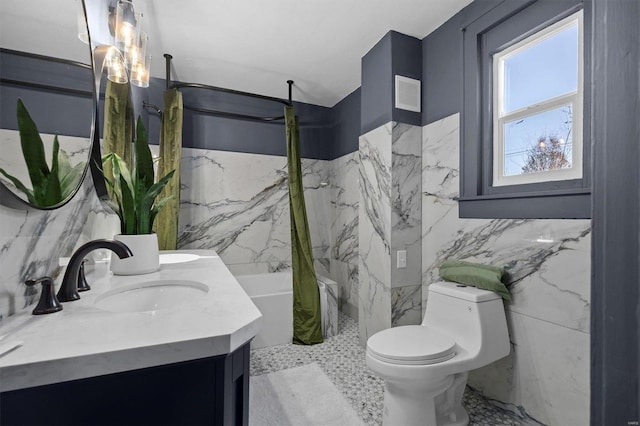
x,y
575,99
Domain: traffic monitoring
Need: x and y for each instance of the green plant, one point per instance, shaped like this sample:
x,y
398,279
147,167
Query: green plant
x,y
135,191
49,186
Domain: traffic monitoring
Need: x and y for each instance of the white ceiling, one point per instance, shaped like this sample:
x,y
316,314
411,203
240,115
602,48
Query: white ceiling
x,y
249,45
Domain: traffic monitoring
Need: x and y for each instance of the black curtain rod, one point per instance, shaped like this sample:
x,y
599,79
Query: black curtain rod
x,y
168,59
50,87
44,58
42,86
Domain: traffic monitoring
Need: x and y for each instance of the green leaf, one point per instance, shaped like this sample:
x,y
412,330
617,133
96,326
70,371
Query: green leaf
x,y
143,210
64,164
157,206
135,191
144,159
156,188
127,203
52,193
70,181
16,182
32,148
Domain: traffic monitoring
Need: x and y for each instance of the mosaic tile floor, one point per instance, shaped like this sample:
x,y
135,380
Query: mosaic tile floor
x,y
343,361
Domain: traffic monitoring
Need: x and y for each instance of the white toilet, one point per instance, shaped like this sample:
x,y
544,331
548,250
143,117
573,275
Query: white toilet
x,y
425,367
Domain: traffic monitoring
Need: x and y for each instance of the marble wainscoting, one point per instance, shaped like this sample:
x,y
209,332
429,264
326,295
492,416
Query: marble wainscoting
x,y
546,377
32,242
389,220
374,232
344,230
406,211
237,204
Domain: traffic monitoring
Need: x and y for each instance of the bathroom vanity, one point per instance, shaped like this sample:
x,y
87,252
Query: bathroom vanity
x,y
171,347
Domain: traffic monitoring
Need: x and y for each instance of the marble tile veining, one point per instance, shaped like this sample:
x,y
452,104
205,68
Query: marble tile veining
x,y
547,262
243,212
344,230
374,232
31,243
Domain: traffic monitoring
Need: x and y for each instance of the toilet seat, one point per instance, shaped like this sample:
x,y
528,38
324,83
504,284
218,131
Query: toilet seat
x,y
411,345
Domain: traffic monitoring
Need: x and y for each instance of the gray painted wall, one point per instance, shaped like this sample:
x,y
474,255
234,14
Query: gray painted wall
x,y
326,133
395,53
207,131
345,123
615,328
406,60
442,63
376,88
54,112
615,292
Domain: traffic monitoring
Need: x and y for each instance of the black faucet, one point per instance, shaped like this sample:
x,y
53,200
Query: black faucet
x,y
69,288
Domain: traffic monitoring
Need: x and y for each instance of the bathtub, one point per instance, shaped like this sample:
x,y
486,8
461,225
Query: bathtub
x,y
273,295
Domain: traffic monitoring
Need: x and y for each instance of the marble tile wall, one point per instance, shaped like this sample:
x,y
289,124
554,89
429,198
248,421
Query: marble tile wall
x,y
344,230
406,208
374,232
389,220
546,376
32,242
237,204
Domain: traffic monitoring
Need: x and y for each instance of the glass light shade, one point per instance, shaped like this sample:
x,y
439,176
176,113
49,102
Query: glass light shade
x,y
126,25
114,63
140,72
137,52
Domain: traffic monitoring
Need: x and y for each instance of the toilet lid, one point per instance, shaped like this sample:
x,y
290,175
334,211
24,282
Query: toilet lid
x,y
411,344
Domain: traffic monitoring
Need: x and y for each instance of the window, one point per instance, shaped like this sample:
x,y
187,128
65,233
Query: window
x,y
537,106
525,145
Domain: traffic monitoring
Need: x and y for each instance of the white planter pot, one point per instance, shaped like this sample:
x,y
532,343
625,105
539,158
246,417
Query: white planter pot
x,y
145,257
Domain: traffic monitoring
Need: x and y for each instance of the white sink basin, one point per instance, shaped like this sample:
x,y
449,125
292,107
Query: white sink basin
x,y
167,258
151,296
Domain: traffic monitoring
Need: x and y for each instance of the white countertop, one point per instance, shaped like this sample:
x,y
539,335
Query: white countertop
x,y
83,341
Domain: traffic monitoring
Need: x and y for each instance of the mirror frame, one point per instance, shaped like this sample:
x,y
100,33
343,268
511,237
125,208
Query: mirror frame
x,y
99,56
10,199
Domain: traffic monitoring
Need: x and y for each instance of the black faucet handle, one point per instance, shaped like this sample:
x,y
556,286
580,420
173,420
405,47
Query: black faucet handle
x,y
83,285
48,302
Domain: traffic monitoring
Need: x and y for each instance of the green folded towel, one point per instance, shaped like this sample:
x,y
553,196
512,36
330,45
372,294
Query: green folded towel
x,y
486,277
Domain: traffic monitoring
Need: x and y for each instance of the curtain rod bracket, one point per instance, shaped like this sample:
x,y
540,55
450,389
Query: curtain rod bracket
x,y
168,59
290,83
147,105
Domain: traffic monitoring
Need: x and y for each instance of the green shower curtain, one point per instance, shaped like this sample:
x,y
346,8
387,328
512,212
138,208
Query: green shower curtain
x,y
307,322
166,223
118,125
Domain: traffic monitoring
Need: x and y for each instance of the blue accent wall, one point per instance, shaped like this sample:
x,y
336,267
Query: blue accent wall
x,y
54,111
208,131
345,124
406,60
394,54
377,86
442,63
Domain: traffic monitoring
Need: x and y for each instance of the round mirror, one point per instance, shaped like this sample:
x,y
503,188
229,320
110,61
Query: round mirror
x,y
46,101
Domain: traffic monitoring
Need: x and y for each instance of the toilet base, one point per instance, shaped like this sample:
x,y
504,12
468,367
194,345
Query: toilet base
x,y
435,403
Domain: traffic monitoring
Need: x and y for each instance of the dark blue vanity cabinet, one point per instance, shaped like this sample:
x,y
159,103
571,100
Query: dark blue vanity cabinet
x,y
208,391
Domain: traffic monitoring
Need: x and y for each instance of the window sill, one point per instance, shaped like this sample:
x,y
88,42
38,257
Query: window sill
x,y
562,204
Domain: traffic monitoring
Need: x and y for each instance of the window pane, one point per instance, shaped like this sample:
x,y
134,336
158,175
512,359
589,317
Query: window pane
x,y
542,71
539,142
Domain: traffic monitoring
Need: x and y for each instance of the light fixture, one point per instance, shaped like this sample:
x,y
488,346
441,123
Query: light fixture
x,y
122,43
114,62
126,29
140,72
137,51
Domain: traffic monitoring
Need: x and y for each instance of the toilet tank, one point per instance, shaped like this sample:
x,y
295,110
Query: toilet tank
x,y
474,318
